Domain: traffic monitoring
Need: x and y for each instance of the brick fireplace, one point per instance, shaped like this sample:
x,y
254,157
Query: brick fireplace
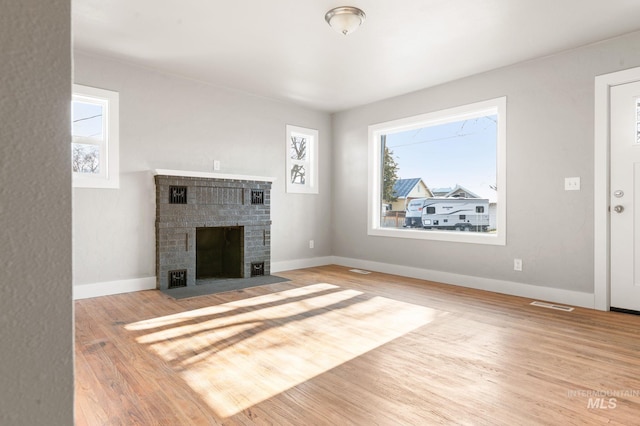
x,y
211,227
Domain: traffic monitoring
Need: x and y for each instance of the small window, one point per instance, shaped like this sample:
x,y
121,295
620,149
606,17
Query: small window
x,y
94,145
479,209
302,160
431,210
463,217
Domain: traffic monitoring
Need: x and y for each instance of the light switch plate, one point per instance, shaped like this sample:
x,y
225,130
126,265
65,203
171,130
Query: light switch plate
x,y
572,184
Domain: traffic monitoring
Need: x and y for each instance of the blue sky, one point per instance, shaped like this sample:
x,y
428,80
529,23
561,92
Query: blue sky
x,y
87,119
460,152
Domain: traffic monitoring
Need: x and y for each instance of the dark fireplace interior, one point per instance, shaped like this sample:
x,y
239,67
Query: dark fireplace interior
x,y
219,252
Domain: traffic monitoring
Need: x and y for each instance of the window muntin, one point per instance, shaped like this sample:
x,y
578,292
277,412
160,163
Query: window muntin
x,y
94,145
453,148
302,160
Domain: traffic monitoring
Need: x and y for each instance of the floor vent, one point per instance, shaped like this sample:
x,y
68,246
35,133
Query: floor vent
x,y
178,278
359,271
552,306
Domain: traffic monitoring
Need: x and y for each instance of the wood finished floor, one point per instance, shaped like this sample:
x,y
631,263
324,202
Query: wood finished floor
x,y
331,347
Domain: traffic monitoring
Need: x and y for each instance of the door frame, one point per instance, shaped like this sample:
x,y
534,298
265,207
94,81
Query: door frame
x,y
602,184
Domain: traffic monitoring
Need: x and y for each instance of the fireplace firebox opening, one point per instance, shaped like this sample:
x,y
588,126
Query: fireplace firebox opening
x,y
219,252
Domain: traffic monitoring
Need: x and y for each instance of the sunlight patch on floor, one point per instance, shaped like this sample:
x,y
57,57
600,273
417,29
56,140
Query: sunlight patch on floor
x,y
240,353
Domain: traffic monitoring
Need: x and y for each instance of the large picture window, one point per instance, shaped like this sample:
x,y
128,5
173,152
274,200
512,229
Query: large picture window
x,y
94,128
441,175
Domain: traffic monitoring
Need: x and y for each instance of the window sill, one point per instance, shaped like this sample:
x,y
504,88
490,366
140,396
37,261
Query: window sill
x,y
434,235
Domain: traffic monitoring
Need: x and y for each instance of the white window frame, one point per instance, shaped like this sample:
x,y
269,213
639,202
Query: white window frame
x,y
493,106
311,163
109,176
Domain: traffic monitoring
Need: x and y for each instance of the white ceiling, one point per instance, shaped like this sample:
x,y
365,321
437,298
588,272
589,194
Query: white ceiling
x,y
284,49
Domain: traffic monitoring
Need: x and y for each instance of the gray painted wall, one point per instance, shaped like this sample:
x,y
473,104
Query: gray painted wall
x,y
173,123
36,314
550,104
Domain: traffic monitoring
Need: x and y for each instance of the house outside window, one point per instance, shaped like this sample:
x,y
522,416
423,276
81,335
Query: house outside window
x,y
95,137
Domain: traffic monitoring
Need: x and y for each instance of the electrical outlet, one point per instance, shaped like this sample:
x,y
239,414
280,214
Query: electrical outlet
x,y
216,165
517,265
312,244
572,184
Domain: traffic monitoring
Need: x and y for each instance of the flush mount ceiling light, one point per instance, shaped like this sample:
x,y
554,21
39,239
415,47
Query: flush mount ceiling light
x,y
345,19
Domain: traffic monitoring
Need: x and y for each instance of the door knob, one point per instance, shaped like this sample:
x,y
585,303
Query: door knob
x,y
618,209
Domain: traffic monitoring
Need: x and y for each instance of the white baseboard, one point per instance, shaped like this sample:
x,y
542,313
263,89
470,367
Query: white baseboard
x,y
289,265
547,294
574,298
107,288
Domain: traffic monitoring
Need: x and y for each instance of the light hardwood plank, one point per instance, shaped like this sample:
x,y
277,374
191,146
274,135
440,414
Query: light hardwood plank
x,y
333,347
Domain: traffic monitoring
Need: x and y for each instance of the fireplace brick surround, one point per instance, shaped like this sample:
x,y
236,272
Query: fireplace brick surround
x,y
186,203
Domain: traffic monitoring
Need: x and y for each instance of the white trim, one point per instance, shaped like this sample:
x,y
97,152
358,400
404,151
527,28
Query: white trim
x,y
491,106
549,294
85,291
556,295
512,288
188,173
601,235
289,265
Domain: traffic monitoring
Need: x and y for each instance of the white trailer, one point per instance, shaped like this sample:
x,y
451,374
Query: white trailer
x,y
462,214
413,213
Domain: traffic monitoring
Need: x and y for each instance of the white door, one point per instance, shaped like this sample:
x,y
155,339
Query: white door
x,y
625,193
